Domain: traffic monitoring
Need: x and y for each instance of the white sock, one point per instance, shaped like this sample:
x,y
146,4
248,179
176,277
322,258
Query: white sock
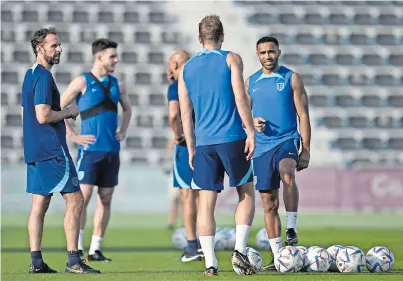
x,y
96,242
242,235
81,240
291,220
275,244
207,244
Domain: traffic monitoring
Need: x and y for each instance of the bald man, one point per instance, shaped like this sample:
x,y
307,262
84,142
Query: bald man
x,y
182,173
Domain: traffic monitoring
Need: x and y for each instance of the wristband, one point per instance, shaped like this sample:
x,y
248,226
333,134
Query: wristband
x,y
71,114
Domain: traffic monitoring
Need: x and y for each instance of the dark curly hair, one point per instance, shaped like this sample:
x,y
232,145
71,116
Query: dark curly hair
x,y
38,37
101,44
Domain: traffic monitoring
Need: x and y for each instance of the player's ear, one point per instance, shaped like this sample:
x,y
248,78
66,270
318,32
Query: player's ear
x,y
222,38
200,39
279,52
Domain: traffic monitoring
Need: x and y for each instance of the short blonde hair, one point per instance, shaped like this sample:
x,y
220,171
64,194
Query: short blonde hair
x,y
211,28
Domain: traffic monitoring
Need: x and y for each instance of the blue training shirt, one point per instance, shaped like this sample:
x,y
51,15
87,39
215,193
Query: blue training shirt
x,y
41,141
208,80
272,99
104,124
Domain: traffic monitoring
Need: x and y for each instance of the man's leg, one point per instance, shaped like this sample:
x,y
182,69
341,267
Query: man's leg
x,y
287,168
189,220
206,227
72,219
101,220
270,202
87,190
174,195
40,205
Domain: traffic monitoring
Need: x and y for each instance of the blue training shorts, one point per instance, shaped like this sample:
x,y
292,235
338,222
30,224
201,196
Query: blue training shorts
x,y
182,173
266,167
54,175
98,168
212,161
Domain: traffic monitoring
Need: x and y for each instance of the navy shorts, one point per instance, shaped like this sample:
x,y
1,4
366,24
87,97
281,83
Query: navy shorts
x,y
266,167
212,161
54,175
182,173
98,168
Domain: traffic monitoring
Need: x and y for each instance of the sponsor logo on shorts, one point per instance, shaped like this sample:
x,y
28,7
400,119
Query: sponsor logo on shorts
x,y
75,181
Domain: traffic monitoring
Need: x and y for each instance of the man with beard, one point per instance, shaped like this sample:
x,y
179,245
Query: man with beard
x,y
278,96
50,167
97,94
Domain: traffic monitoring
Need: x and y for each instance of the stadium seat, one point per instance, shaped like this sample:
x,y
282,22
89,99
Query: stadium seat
x,y
315,19
359,39
159,142
105,17
332,79
372,101
318,100
13,120
395,100
372,59
138,159
389,19
165,121
157,99
131,17
332,122
55,16
19,99
144,121
345,143
88,35
171,37
10,77
116,36
22,56
129,57
7,35
80,16
345,59
63,77
157,17
339,19
143,78
372,144
345,100
262,18
6,15
156,58
319,59
358,122
384,122
75,57
134,142
396,60
363,19
7,142
306,39
29,16
4,99
142,37
290,18
385,80
358,79
396,143
386,39
293,59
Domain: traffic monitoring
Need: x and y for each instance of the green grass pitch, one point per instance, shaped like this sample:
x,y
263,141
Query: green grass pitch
x,y
143,251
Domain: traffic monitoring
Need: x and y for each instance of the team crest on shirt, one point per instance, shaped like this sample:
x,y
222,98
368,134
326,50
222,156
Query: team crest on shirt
x,y
280,86
75,181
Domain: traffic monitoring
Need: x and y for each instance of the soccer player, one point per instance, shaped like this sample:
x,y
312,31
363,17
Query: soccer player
x,y
97,94
181,171
278,96
50,168
211,83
